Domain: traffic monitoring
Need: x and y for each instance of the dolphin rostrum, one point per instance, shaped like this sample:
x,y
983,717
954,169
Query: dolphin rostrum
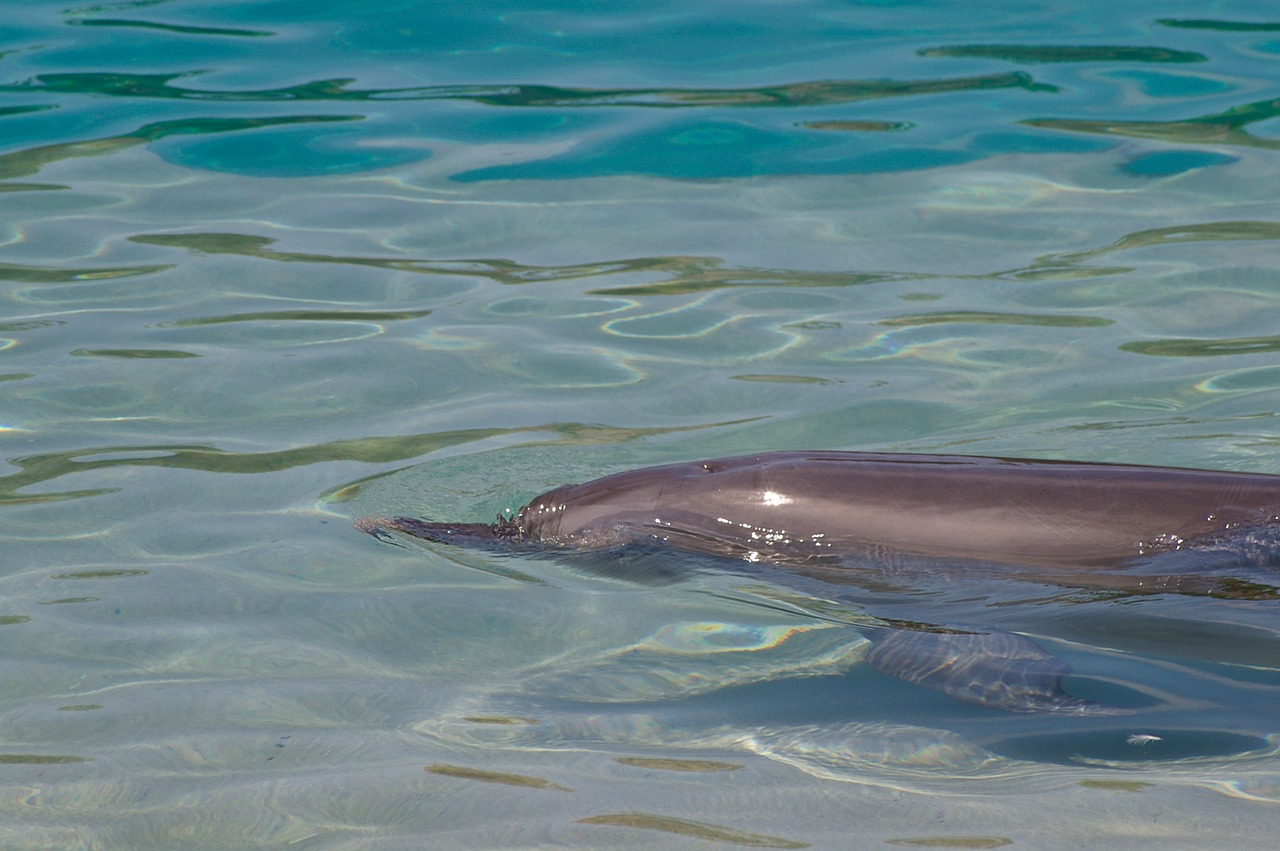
x,y
827,513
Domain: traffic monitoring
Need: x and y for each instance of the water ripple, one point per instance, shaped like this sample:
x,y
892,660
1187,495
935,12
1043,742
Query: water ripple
x,y
1056,53
176,29
45,467
1220,128
523,95
29,161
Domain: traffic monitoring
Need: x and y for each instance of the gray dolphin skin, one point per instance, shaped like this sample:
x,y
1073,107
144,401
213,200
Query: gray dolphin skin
x,y
828,513
789,507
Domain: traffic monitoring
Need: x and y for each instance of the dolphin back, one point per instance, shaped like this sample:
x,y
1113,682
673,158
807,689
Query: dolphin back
x,y
833,515
790,507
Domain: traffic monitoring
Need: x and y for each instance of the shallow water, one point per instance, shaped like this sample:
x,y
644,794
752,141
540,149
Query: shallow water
x,y
267,267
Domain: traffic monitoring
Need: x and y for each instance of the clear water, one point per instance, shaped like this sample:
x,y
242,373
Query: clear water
x,y
269,266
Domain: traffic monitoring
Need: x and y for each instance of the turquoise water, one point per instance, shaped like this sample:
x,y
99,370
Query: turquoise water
x,y
266,267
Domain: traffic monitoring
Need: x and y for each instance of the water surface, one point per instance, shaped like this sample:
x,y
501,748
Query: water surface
x,y
269,266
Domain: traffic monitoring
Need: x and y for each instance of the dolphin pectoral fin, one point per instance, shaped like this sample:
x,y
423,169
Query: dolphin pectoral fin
x,y
995,669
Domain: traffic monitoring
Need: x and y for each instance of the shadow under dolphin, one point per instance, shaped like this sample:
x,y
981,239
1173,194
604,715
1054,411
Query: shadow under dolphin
x,y
878,519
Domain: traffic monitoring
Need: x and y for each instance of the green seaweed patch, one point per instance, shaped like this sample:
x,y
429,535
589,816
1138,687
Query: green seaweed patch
x,y
39,759
17,376
679,764
22,110
80,707
1116,785
47,275
1064,53
209,243
1225,128
859,126
9,620
1188,132
31,187
805,93
30,160
695,829
814,325
499,719
709,279
46,467
7,498
770,378
1243,589
1221,26
69,600
501,777
984,318
682,275
952,842
143,354
302,316
500,271
1066,273
1208,231
1193,348
171,28
809,93
1177,234
100,574
30,325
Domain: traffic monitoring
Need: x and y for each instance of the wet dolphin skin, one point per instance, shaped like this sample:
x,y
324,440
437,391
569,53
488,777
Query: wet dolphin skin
x,y
787,507
854,518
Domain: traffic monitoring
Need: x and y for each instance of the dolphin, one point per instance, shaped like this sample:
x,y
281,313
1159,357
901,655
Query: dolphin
x,y
846,516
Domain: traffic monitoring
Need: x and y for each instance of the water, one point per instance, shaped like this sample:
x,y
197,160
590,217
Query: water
x,y
269,266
